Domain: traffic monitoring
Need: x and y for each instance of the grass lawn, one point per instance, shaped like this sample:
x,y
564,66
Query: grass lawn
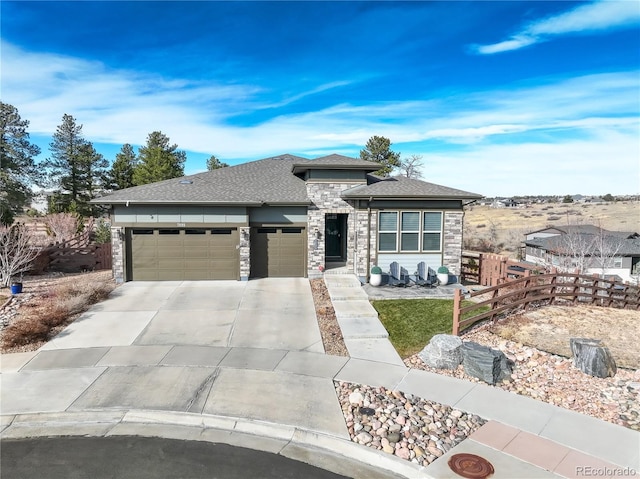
x,y
412,323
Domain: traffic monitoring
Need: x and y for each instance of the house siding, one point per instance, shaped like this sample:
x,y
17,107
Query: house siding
x,y
187,214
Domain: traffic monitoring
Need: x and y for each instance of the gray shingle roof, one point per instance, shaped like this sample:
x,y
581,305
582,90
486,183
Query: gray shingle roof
x,y
403,187
264,181
272,181
331,161
558,244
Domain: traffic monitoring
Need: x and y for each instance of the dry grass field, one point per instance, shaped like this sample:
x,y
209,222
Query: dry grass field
x,y
549,329
505,227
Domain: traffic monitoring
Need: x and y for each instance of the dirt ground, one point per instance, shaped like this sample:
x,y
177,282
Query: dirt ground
x,y
509,225
550,327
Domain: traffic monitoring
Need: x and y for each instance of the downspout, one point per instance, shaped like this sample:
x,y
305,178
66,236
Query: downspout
x,y
368,275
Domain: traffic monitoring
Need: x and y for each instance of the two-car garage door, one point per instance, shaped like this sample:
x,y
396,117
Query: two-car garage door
x,y
185,254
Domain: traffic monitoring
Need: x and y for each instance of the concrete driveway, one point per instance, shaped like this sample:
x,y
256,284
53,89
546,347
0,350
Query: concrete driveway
x,y
270,313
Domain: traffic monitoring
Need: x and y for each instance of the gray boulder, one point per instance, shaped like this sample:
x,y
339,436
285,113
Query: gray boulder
x,y
442,352
592,357
484,363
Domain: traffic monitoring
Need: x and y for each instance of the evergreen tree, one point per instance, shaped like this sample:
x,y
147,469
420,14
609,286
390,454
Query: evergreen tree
x,y
121,173
158,160
17,167
214,163
75,168
378,150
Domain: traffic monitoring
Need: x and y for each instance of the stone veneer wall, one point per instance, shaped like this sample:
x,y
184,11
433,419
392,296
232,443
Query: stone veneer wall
x,y
362,219
452,254
245,252
117,253
325,198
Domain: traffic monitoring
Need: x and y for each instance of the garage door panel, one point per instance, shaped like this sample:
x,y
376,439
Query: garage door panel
x,y
278,252
201,254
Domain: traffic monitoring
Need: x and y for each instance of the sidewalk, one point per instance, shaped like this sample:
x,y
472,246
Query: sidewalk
x,y
279,397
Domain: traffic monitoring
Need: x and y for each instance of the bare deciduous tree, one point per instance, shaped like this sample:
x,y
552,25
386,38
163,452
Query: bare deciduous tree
x,y
63,226
17,252
410,167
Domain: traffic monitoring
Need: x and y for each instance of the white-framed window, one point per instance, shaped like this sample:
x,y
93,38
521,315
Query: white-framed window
x,y
432,231
617,262
388,231
410,231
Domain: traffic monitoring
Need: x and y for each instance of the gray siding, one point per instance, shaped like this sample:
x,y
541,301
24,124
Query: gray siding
x,y
409,261
149,214
278,214
336,175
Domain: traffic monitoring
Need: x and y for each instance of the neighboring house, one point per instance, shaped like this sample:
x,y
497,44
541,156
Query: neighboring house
x,y
588,248
284,217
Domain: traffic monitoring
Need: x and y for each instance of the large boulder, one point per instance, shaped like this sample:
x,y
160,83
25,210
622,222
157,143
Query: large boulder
x,y
484,363
444,351
592,357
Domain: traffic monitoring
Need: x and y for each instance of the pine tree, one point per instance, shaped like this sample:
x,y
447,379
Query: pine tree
x,y
214,163
378,150
121,173
75,168
158,160
17,166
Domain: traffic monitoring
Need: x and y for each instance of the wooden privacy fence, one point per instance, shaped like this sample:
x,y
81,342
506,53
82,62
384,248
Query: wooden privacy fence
x,y
74,255
487,269
542,289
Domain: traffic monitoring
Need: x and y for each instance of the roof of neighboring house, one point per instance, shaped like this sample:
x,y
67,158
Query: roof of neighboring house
x,y
623,246
584,229
272,181
403,187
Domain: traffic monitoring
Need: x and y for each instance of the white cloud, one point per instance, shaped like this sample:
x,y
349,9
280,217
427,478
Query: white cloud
x,y
510,139
593,17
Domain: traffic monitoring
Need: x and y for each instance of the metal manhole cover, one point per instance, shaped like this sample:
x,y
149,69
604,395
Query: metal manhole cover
x,y
470,466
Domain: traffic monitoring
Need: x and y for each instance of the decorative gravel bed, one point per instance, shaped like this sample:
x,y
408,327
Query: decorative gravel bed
x,y
327,322
406,426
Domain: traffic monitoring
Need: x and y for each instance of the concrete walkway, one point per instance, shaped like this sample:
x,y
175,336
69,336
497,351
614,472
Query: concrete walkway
x,y
273,398
364,335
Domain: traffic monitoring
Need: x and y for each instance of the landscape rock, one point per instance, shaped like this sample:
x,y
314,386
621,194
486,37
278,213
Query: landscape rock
x,y
482,362
444,351
592,357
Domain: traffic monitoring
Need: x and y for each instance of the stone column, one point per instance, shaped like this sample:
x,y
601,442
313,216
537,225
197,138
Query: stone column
x,y
245,252
452,254
118,253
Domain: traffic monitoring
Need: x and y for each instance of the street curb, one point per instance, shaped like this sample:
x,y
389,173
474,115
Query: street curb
x,y
252,434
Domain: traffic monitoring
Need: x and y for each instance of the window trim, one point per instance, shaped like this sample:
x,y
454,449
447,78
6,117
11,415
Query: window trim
x,y
402,232
440,232
395,232
421,231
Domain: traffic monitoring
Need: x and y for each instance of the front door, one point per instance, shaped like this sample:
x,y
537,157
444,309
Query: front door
x,y
335,236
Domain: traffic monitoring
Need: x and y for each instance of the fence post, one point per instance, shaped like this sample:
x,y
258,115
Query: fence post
x,y
457,301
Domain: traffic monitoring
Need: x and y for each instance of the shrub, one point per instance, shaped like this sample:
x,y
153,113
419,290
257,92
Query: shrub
x,y
376,270
19,333
443,270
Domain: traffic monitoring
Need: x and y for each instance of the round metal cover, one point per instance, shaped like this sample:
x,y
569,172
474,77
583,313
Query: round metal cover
x,y
470,466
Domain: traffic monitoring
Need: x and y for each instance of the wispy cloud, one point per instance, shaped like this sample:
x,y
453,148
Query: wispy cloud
x,y
530,130
590,18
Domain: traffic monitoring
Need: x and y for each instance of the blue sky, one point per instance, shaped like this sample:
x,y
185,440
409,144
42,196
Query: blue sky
x,y
499,98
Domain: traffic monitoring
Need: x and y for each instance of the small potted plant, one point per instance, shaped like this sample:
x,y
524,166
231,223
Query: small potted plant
x,y
376,276
16,286
443,275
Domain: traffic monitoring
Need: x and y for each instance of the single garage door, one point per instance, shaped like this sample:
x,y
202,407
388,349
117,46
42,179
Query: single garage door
x,y
185,254
278,252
